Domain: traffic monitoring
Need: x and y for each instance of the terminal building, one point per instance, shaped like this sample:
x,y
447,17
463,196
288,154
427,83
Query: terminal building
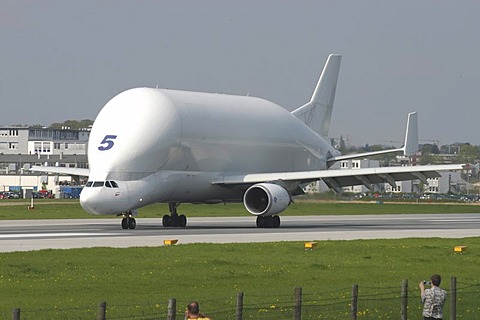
x,y
43,141
24,147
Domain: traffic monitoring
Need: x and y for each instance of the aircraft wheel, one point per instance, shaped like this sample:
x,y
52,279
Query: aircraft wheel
x,y
261,222
124,223
182,221
268,222
132,224
275,222
175,221
167,221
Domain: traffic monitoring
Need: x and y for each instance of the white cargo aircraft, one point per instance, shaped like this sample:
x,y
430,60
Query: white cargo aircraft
x,y
152,145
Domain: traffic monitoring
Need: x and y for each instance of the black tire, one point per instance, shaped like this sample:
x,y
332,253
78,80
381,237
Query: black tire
x,y
275,222
167,221
132,224
269,222
182,221
124,223
175,221
260,222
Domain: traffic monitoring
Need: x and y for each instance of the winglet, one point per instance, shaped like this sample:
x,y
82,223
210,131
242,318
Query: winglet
x,y
318,111
411,135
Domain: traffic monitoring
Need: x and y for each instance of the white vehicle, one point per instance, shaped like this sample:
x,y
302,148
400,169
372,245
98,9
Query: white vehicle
x,y
152,145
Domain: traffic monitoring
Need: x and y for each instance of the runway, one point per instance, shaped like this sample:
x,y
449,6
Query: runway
x,y
26,235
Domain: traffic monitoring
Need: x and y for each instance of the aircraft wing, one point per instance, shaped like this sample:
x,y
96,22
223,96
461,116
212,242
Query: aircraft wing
x,y
62,170
338,178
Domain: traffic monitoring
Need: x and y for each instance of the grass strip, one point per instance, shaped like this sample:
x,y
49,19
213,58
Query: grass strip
x,y
70,209
137,282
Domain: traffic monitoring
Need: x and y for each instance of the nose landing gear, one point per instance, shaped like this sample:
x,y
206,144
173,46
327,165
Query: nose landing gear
x,y
174,219
128,221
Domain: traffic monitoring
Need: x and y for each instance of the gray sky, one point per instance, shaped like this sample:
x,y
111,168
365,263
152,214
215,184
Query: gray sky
x,y
63,60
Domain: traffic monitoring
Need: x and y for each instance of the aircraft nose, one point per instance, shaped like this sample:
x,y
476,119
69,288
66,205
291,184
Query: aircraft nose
x,y
90,200
104,197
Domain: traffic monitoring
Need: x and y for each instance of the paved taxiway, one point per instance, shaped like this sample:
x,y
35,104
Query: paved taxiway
x,y
25,235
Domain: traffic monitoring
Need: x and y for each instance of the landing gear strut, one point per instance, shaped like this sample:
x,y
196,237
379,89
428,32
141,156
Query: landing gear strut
x,y
128,221
268,222
174,220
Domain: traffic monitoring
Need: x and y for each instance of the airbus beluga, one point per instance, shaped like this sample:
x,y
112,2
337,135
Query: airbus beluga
x,y
150,145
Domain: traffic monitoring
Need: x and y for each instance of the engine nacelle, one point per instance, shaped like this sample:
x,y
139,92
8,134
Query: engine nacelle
x,y
266,199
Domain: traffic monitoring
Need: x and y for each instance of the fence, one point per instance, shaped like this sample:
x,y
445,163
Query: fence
x,y
343,303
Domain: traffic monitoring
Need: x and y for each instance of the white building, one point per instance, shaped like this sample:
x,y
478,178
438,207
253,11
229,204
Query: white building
x,y
33,182
15,174
43,141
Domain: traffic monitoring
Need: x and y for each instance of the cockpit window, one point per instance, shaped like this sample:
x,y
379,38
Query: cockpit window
x,y
96,184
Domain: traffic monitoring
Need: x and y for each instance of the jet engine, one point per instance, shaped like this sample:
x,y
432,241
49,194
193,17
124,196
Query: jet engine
x,y
266,199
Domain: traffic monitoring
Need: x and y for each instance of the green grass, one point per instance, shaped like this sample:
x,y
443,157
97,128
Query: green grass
x,y
137,282
68,209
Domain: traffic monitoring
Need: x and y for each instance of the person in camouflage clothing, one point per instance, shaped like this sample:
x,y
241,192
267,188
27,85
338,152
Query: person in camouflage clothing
x,y
433,298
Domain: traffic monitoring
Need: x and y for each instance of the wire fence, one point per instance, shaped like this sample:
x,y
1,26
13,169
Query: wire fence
x,y
365,302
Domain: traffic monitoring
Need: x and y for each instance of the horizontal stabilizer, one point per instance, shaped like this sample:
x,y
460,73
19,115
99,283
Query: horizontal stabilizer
x,y
62,170
410,146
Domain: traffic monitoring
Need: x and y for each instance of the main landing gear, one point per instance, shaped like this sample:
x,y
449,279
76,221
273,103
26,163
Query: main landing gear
x,y
174,220
268,222
128,221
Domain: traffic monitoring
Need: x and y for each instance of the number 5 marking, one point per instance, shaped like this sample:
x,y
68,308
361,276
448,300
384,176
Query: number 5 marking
x,y
107,142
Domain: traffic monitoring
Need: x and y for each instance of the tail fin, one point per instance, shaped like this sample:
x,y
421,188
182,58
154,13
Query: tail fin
x,y
411,135
317,113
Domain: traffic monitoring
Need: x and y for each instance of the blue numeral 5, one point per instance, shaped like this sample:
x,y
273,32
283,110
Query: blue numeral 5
x,y
107,142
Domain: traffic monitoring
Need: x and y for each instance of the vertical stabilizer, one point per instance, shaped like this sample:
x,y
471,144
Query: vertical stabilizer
x,y
411,135
317,113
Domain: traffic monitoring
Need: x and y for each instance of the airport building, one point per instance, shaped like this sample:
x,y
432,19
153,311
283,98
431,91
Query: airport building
x,y
24,147
447,182
15,174
43,141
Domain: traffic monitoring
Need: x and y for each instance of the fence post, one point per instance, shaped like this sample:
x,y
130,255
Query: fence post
x,y
239,306
102,311
404,299
297,307
354,301
16,314
453,298
172,309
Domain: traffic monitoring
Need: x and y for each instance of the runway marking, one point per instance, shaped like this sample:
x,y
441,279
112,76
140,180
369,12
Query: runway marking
x,y
49,235
453,220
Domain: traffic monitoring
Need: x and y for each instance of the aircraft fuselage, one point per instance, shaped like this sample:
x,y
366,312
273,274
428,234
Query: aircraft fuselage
x,y
161,145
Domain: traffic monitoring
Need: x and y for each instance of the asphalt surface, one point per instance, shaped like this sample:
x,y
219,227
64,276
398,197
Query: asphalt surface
x,y
26,235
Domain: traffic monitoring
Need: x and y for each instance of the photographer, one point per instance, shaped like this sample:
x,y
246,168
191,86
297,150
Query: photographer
x,y
433,299
193,312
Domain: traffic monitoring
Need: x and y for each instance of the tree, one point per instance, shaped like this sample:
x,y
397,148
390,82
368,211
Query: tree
x,y
430,148
468,153
72,124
